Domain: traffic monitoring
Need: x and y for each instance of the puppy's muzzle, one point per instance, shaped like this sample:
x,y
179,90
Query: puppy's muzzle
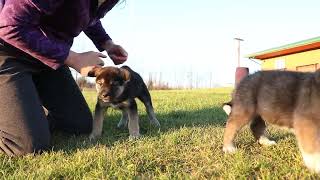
x,y
105,97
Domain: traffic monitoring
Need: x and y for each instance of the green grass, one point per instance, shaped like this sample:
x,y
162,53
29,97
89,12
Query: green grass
x,y
188,146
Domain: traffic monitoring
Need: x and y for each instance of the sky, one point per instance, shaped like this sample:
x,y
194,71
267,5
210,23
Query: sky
x,y
191,42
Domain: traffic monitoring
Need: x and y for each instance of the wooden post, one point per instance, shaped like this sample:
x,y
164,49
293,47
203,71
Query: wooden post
x,y
238,49
241,72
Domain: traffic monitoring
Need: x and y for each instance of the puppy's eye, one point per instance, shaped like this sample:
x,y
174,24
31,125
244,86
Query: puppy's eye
x,y
99,83
115,83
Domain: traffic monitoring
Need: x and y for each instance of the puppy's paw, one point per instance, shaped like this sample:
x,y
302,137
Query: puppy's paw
x,y
312,161
155,122
134,136
229,148
266,142
94,136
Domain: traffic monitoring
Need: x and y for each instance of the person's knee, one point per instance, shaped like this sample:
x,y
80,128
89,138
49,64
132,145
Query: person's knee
x,y
39,144
24,146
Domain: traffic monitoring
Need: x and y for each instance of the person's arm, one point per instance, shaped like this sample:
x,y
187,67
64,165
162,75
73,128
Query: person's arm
x,y
97,34
20,27
103,42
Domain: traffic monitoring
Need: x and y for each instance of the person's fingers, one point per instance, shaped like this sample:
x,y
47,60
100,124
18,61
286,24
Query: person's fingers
x,y
100,62
118,59
123,52
101,55
118,50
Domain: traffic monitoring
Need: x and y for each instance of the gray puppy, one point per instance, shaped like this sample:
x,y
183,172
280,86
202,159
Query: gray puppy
x,y
118,88
288,99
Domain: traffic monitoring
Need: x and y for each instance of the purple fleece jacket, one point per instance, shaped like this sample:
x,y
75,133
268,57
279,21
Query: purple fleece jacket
x,y
45,29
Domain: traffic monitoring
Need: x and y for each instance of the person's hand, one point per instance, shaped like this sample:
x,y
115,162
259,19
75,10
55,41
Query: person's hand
x,y
116,53
84,62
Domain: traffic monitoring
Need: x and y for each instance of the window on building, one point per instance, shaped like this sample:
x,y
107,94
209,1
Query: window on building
x,y
280,64
307,68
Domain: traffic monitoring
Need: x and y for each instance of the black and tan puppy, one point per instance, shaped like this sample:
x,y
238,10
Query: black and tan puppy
x,y
118,88
289,99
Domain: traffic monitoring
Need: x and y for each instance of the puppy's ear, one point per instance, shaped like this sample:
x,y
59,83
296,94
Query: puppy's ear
x,y
94,72
227,107
125,74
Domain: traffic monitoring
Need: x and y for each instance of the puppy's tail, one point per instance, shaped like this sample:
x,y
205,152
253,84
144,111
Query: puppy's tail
x,y
227,107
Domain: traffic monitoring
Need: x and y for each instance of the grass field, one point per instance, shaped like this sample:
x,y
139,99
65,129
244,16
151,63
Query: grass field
x,y
188,146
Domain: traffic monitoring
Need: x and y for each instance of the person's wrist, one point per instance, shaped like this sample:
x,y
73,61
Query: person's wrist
x,y
108,45
72,60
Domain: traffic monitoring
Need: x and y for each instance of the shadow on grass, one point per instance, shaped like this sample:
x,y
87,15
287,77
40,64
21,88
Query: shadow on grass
x,y
169,122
